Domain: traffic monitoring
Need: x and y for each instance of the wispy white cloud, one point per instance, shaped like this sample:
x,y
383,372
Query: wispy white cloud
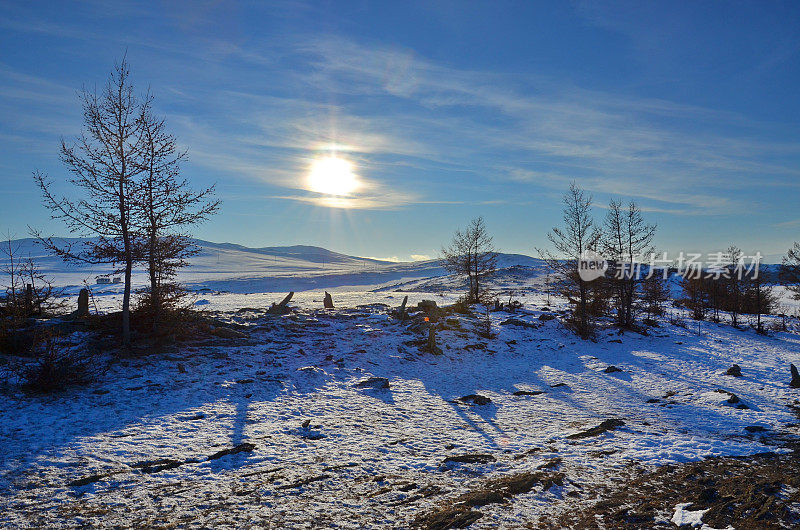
x,y
405,119
647,148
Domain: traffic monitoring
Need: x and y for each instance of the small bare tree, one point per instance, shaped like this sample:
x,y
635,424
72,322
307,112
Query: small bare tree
x,y
164,207
626,239
759,297
655,293
10,268
104,162
471,254
734,286
27,291
578,235
790,270
696,291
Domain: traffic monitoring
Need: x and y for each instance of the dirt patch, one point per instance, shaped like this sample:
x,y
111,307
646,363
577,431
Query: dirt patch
x,y
755,492
459,513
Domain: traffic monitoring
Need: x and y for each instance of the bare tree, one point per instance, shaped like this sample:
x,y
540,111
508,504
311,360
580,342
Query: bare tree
x,y
105,162
655,293
471,254
578,235
165,206
734,288
27,291
790,270
10,268
759,297
696,290
626,239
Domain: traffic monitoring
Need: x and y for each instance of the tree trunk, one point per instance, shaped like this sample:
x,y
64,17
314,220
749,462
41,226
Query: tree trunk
x,y
126,306
155,294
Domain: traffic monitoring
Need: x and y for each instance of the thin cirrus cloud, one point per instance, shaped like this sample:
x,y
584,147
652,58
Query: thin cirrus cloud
x,y
405,120
392,104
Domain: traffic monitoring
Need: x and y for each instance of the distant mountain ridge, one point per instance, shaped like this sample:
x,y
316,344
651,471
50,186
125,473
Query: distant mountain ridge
x,y
238,268
304,252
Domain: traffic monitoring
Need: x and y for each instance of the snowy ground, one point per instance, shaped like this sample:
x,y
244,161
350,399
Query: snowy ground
x,y
375,457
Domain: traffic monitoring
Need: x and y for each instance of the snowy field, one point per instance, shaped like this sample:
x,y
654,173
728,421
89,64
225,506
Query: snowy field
x,y
134,448
275,431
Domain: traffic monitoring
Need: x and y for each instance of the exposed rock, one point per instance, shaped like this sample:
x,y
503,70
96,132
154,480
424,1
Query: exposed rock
x,y
373,382
327,302
427,305
559,385
162,464
475,399
735,371
755,428
607,425
544,317
241,448
471,458
611,369
91,479
795,383
528,392
734,399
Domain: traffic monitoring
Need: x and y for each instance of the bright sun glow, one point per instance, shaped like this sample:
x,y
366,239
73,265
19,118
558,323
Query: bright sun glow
x,y
332,175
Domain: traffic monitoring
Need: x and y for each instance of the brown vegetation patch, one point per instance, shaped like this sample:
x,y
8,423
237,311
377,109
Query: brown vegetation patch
x,y
458,512
756,492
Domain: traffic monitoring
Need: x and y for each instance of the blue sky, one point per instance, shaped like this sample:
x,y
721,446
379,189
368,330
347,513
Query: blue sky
x,y
447,110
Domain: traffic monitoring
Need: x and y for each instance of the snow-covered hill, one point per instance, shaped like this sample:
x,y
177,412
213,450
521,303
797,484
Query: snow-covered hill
x,y
241,269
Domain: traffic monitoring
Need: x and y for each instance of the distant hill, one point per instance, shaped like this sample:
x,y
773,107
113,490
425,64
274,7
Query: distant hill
x,y
238,268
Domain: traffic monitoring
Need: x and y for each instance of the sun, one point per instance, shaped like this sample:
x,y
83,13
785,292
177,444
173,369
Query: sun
x,y
332,175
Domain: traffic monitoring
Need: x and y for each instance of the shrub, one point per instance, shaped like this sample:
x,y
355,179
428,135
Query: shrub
x,y
461,306
56,367
172,318
484,328
676,320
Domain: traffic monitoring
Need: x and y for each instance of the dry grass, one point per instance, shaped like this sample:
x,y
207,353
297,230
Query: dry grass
x,y
759,492
459,513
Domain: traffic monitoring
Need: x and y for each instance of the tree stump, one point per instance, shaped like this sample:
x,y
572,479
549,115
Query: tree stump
x,y
401,313
281,308
431,347
83,303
